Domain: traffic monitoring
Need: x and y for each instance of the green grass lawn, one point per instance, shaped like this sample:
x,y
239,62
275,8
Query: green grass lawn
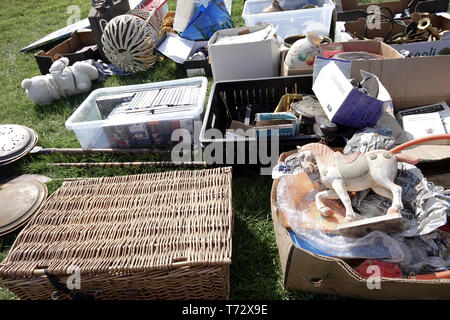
x,y
255,269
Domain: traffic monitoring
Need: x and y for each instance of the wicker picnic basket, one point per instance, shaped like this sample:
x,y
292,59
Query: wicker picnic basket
x,y
149,236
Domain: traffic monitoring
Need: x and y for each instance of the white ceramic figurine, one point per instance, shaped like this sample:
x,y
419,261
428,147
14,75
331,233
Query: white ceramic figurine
x,y
354,172
62,81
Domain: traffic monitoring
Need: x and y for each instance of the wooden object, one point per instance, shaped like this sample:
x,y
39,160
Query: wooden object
x,y
138,164
388,223
40,150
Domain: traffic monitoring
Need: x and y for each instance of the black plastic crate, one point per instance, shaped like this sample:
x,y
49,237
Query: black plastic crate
x,y
237,94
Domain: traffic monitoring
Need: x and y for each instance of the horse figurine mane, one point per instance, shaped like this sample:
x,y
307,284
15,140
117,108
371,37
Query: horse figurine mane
x,y
323,153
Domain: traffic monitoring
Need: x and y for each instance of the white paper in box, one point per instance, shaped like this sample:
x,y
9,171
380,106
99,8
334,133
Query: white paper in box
x,y
343,104
426,121
94,132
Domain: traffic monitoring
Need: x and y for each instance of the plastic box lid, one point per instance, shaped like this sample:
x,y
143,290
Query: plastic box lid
x,y
291,19
87,115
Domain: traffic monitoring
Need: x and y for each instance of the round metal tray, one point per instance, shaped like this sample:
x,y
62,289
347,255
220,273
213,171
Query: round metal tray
x,y
19,202
15,142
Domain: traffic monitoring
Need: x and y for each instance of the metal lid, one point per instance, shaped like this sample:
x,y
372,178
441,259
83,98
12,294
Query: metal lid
x,y
19,201
13,138
308,107
357,55
15,142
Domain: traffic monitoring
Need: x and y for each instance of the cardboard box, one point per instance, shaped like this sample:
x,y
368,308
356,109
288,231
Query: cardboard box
x,y
80,46
411,82
343,104
307,271
371,46
350,6
389,55
423,48
416,81
248,60
286,71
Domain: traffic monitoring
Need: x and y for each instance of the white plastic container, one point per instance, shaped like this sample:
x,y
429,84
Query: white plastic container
x,y
291,22
133,131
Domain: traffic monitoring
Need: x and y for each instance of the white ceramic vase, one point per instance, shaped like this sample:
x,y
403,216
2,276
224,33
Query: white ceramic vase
x,y
303,52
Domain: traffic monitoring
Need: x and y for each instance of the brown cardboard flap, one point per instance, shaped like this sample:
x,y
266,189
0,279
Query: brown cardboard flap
x,y
78,40
80,46
372,46
416,81
324,275
363,45
246,31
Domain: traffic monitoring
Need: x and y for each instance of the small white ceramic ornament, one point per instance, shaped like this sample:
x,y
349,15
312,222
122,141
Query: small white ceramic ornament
x,y
304,51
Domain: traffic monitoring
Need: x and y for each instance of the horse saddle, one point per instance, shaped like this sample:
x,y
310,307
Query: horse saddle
x,y
351,166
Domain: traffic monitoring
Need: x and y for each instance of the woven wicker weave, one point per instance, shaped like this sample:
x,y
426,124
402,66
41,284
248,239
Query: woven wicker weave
x,y
150,236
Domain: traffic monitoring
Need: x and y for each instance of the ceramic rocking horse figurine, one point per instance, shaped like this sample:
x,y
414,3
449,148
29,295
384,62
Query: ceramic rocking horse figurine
x,y
354,172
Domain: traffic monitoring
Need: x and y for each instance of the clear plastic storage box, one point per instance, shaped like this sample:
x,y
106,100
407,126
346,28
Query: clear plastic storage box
x,y
104,125
292,21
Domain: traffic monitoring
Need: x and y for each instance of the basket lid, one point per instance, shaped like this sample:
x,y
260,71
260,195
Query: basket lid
x,y
127,224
